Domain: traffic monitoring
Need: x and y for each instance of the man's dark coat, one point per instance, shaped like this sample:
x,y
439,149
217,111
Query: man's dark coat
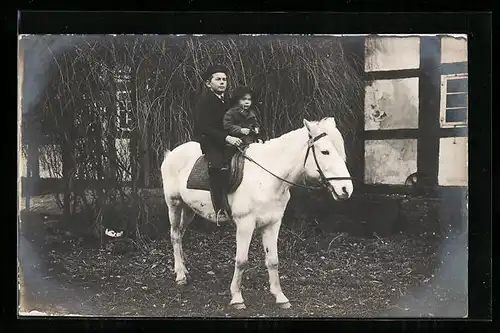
x,y
209,129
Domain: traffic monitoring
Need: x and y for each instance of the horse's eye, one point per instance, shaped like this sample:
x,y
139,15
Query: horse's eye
x,y
325,152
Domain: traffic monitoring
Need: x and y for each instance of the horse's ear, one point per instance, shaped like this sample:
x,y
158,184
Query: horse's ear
x,y
332,120
329,120
308,125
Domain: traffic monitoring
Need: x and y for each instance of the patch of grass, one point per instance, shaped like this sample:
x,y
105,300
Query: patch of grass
x,y
326,275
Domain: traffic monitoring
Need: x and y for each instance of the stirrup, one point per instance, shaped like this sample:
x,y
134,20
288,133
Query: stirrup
x,y
223,213
220,212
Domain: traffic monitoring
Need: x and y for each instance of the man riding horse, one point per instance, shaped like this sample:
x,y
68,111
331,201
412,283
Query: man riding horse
x,y
215,142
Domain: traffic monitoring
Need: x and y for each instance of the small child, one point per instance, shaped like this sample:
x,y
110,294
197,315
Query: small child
x,y
241,120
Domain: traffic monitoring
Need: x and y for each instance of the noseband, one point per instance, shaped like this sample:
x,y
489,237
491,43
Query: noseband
x,y
323,180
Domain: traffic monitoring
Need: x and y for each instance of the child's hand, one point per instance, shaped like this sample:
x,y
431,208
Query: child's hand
x,y
233,141
245,131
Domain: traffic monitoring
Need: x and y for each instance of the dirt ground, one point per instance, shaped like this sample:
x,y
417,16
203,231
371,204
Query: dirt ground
x,y
329,274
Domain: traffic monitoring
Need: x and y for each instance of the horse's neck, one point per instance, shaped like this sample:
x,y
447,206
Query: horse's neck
x,y
283,156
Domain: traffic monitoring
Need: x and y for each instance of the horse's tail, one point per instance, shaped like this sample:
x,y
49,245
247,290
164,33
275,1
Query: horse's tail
x,y
165,169
164,162
167,151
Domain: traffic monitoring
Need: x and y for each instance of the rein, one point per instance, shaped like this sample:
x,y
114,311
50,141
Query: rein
x,y
282,179
324,180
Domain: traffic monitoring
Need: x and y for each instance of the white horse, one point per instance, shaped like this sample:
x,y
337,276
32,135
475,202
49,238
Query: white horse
x,y
260,201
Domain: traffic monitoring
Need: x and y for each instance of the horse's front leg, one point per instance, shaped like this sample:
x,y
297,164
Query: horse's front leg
x,y
244,232
270,243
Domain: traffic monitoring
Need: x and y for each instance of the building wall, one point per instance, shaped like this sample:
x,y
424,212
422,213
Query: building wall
x,y
50,161
393,104
453,151
390,161
123,156
21,160
453,49
22,165
122,149
453,161
392,53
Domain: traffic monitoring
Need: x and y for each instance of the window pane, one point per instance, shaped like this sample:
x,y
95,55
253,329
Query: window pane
x,y
456,100
123,120
456,115
457,85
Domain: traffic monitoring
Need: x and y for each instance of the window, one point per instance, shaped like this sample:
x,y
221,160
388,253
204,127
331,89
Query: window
x,y
122,73
123,105
122,76
454,100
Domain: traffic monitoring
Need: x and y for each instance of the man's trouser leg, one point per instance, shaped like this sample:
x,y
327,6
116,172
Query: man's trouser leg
x,y
215,187
218,181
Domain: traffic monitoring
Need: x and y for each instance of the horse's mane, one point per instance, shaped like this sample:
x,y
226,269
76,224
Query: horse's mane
x,y
328,124
289,133
282,136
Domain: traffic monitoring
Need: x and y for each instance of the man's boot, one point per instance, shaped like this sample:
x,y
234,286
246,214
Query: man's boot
x,y
217,191
224,176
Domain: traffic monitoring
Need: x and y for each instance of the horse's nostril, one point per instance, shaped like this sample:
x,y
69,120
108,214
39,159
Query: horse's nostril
x,y
344,189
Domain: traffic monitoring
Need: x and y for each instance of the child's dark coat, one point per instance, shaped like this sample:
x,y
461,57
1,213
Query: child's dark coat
x,y
236,118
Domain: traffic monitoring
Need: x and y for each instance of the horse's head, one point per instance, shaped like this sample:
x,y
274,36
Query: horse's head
x,y
326,158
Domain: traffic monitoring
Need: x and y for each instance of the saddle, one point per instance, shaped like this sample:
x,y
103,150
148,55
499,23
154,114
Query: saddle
x,y
198,177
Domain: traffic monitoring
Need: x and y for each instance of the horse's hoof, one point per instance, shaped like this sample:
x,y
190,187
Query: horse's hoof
x,y
239,306
182,282
286,305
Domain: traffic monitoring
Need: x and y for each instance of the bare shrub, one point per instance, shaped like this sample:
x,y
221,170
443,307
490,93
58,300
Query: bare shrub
x,y
103,165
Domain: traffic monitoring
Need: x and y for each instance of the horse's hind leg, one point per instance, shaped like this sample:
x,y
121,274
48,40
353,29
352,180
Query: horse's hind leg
x,y
187,216
179,220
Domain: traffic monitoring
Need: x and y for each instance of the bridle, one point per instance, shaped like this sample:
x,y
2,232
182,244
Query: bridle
x,y
324,181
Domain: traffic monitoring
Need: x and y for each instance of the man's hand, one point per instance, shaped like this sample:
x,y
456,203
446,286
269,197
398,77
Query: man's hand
x,y
234,141
256,130
245,131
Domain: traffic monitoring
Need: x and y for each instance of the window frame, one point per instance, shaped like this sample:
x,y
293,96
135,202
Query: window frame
x,y
444,94
122,101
